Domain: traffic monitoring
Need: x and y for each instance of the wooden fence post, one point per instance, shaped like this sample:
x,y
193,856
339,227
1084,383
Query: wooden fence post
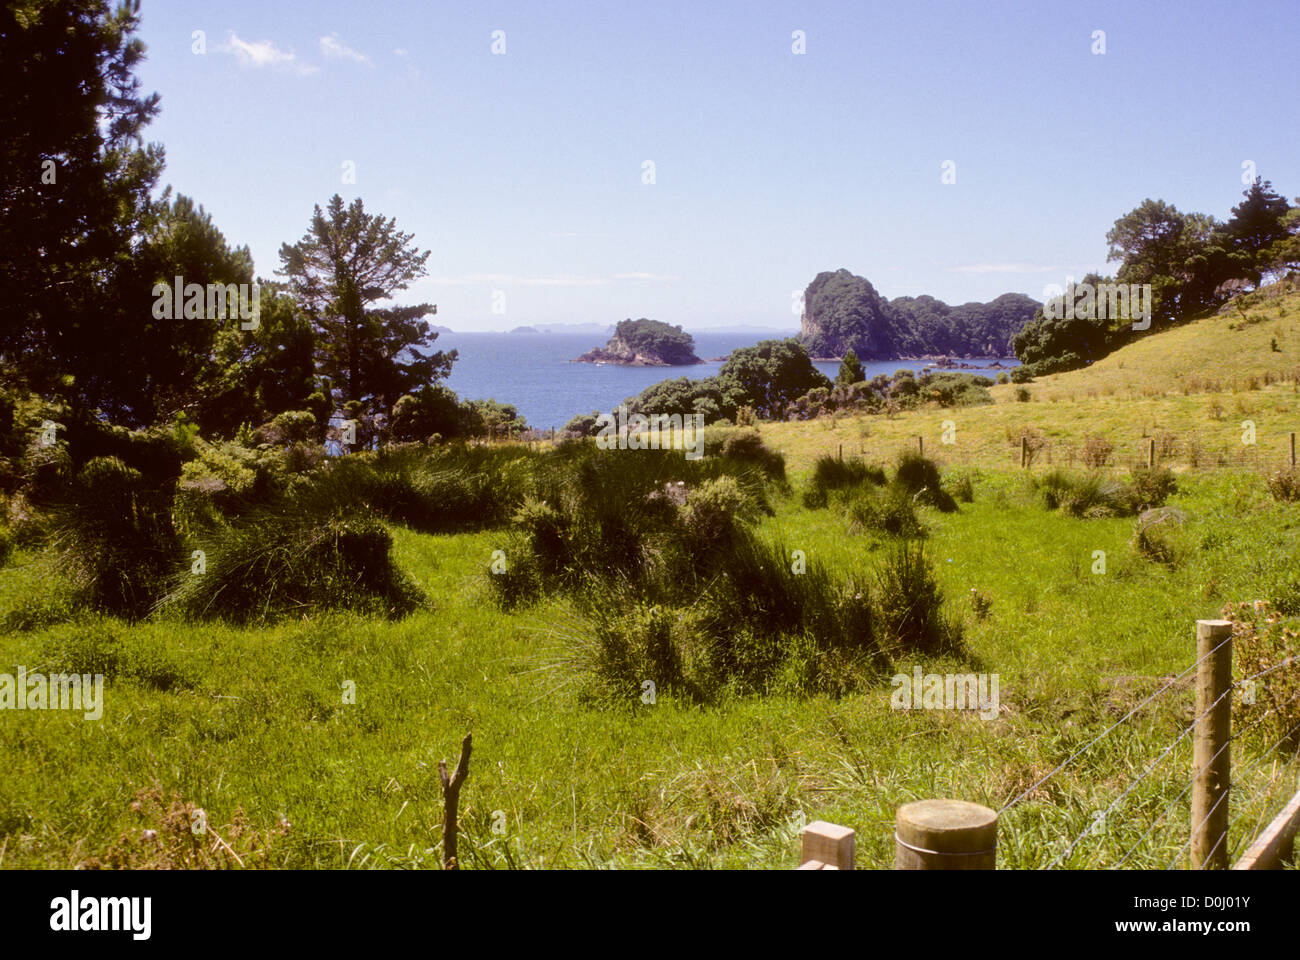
x,y
451,798
841,453
920,445
1211,769
1024,451
827,846
945,835
1292,449
1151,453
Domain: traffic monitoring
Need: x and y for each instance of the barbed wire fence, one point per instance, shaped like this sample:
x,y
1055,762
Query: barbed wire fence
x,y
1256,804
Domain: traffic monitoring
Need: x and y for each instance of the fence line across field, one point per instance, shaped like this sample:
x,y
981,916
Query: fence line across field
x,y
957,834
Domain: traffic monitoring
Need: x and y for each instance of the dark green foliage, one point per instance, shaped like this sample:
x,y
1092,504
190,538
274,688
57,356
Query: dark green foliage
x,y
954,389
71,98
747,446
919,476
831,473
909,604
889,510
113,538
1191,261
347,262
295,559
655,338
582,425
850,371
765,377
846,313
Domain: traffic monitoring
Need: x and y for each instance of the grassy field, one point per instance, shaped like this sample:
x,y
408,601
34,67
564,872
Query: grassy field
x,y
251,725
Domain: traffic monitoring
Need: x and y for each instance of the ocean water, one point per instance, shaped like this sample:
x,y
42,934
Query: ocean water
x,y
535,372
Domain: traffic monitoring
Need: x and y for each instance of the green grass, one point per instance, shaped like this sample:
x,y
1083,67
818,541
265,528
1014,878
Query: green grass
x,y
251,719
258,722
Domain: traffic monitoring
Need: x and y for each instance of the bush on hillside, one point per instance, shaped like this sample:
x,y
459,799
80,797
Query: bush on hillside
x,y
294,560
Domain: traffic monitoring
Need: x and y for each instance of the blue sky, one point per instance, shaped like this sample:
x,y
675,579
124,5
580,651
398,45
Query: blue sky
x,y
523,172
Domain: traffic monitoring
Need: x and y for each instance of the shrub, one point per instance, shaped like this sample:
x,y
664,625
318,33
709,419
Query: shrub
x,y
831,473
1022,394
1086,496
747,446
297,558
919,476
888,511
1284,485
1149,487
1022,374
909,604
114,539
1097,451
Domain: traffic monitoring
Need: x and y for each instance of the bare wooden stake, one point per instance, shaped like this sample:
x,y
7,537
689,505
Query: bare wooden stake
x,y
1211,769
1151,453
1024,451
1292,449
920,445
451,799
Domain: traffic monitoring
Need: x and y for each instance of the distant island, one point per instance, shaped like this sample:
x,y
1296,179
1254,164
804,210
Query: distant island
x,y
844,312
437,329
645,343
525,330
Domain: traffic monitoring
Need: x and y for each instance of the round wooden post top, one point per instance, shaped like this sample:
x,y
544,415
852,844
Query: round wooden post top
x,y
947,827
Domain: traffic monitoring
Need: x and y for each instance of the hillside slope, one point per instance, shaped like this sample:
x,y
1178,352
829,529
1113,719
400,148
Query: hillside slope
x,y
1191,388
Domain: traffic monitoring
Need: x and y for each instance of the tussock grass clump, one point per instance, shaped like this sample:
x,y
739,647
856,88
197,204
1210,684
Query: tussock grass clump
x,y
761,627
293,559
747,446
831,473
113,539
961,486
1092,495
889,511
919,476
1088,495
909,605
431,490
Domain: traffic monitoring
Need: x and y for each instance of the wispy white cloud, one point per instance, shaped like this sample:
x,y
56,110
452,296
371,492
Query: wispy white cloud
x,y
1002,268
335,49
264,53
400,51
